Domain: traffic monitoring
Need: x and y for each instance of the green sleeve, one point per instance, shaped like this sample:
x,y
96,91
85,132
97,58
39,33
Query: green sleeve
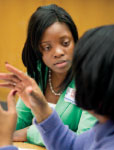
x,y
24,115
86,122
33,136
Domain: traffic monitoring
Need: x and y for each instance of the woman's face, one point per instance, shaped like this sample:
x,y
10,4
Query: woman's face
x,y
57,46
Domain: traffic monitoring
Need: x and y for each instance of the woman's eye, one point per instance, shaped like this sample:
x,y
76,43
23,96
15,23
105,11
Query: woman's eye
x,y
66,43
46,48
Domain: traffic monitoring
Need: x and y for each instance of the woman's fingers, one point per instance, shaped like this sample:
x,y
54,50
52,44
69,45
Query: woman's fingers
x,y
38,104
15,77
7,85
16,71
18,87
36,97
11,105
9,77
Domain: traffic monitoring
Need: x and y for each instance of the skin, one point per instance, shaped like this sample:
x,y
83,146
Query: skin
x,y
56,46
8,121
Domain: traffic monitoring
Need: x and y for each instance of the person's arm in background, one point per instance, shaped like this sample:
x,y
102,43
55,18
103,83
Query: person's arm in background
x,y
8,123
87,121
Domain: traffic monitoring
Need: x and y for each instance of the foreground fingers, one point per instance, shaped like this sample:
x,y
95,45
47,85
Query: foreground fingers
x,y
36,96
19,74
9,77
1,109
11,80
11,101
38,105
8,85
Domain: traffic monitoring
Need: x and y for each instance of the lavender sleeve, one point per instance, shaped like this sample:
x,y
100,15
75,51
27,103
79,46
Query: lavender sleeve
x,y
10,147
57,136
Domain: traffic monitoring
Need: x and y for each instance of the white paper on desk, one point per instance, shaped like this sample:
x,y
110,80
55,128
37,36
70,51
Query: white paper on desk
x,y
26,149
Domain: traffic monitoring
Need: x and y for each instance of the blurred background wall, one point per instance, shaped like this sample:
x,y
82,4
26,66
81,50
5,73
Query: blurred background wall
x,y
14,16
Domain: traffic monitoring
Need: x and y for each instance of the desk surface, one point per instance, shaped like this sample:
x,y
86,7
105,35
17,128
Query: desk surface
x,y
27,145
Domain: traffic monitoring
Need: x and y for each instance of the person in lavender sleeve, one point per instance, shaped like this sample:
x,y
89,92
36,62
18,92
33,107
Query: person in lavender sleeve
x,y
93,71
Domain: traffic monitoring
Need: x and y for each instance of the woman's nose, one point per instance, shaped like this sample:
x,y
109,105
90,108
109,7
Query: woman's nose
x,y
58,53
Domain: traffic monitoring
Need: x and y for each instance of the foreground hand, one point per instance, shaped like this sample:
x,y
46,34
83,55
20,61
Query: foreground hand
x,y
8,121
18,81
20,135
39,106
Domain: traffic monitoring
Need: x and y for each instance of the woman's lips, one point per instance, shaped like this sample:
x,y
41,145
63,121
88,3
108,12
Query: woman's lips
x,y
61,64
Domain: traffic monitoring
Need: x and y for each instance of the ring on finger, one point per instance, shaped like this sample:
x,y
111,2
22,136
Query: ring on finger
x,y
14,84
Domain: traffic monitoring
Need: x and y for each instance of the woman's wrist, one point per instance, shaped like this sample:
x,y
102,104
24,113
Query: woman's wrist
x,y
42,113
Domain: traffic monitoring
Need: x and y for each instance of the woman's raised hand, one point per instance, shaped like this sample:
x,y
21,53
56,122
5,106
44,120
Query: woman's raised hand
x,y
19,81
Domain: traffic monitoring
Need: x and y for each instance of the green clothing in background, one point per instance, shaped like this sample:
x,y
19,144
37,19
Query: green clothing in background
x,y
71,115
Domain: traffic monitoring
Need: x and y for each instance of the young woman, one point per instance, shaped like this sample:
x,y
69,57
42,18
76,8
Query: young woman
x,y
47,55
